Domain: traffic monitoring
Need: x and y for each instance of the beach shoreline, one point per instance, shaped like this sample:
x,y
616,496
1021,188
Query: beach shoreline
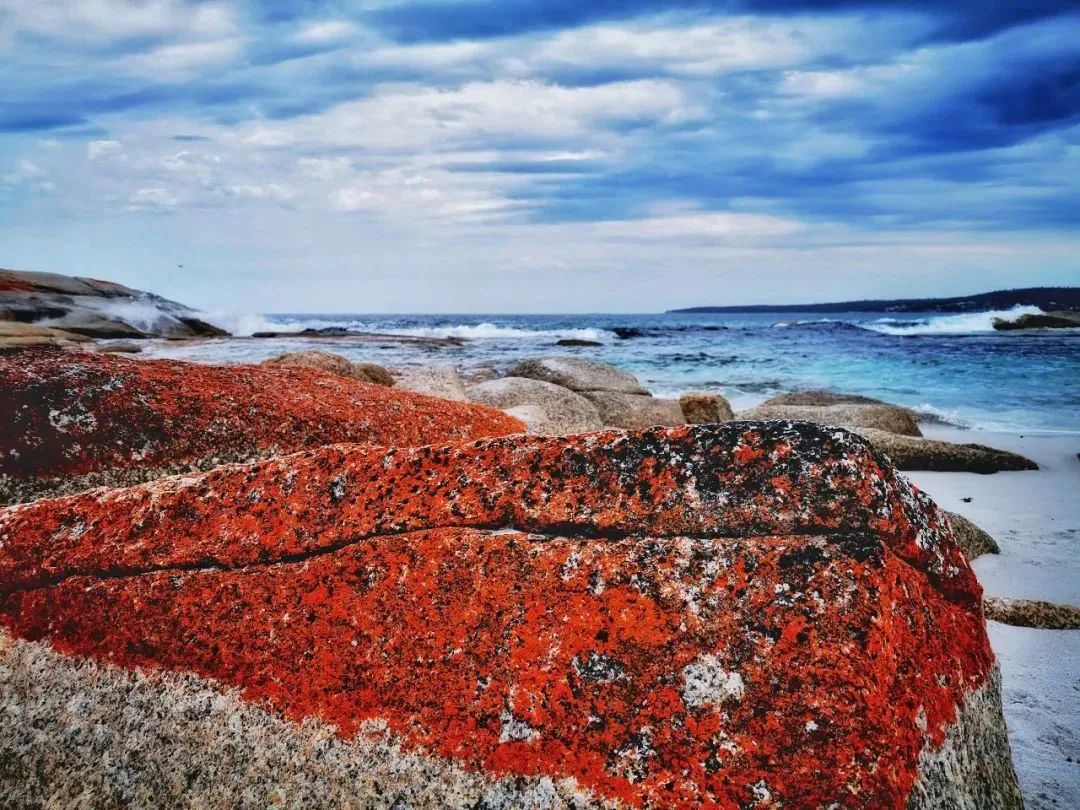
x,y
1035,517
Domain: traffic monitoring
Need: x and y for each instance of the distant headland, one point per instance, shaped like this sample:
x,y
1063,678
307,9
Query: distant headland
x,y
1046,298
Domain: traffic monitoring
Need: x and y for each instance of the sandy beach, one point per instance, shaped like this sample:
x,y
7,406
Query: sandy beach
x,y
1035,517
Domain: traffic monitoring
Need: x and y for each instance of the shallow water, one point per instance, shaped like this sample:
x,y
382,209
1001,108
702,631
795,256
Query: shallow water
x,y
955,366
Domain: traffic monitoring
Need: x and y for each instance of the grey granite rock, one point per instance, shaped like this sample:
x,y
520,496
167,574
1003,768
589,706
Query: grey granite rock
x,y
545,408
578,374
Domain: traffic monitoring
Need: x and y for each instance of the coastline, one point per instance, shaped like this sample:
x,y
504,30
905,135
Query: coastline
x,y
1035,517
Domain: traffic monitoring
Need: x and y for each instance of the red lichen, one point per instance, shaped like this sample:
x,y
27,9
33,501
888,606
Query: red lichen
x,y
379,586
71,413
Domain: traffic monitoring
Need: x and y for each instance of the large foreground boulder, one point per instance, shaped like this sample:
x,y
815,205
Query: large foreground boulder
x,y
95,308
546,409
914,453
579,374
72,420
748,615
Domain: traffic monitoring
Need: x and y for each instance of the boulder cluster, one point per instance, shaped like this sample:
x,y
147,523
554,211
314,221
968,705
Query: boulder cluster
x,y
403,601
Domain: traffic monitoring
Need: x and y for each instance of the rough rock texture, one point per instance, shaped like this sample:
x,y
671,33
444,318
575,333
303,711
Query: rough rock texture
x,y
16,335
546,409
734,616
578,374
974,541
578,342
1048,320
73,420
912,453
972,769
119,347
1032,613
817,397
100,309
335,364
442,382
634,411
853,415
704,408
158,739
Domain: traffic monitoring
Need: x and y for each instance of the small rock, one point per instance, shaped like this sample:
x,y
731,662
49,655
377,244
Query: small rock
x,y
577,342
1046,320
442,382
1032,613
635,411
816,397
120,347
704,408
545,408
578,374
854,415
913,453
973,540
335,364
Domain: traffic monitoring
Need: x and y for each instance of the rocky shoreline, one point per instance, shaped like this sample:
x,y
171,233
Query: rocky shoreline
x,y
618,599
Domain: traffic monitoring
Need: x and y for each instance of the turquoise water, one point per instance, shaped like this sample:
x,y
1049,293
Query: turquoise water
x,y
955,366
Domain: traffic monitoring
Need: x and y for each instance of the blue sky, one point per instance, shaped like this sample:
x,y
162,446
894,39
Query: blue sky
x,y
540,156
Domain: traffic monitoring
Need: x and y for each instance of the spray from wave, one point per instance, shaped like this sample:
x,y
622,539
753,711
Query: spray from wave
x,y
490,331
247,324
962,324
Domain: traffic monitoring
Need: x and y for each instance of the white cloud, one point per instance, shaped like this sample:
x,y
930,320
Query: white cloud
x,y
177,61
820,83
408,117
269,191
725,226
99,149
24,170
324,168
325,31
422,195
156,197
99,22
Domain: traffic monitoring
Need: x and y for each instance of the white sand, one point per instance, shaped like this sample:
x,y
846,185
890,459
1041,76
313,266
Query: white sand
x,y
1035,517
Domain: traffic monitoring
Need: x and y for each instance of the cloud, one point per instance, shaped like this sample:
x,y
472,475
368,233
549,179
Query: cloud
x,y
608,138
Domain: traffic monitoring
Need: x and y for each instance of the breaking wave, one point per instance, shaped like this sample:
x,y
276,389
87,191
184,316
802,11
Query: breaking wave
x,y
492,331
961,324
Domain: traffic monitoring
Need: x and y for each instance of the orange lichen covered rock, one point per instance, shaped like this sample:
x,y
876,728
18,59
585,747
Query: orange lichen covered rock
x,y
746,615
76,419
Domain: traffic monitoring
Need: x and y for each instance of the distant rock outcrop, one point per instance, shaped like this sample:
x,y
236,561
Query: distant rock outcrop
x,y
96,309
1048,320
79,419
751,614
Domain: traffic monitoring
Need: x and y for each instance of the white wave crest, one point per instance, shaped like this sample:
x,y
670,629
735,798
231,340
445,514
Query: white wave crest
x,y
245,324
490,331
962,324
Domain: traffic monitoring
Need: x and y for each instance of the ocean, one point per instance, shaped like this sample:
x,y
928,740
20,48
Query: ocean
x,y
955,367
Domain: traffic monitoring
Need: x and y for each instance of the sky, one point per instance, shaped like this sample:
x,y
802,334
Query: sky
x,y
548,156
